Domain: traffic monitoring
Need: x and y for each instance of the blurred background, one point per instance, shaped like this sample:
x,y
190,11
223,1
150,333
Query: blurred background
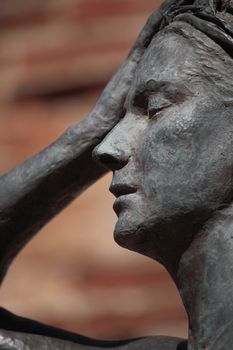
x,y
55,58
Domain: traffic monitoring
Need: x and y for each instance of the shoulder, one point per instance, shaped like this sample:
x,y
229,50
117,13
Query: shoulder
x,y
18,333
157,343
18,341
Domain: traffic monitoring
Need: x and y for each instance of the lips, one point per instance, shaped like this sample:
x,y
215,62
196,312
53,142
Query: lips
x,y
121,189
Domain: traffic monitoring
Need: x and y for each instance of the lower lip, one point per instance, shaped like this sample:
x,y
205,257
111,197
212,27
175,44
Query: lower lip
x,y
120,204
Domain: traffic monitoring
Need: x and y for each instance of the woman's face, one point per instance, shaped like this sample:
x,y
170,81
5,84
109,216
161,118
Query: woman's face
x,y
171,155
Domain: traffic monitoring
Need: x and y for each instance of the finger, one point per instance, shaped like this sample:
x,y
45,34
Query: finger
x,y
109,107
151,27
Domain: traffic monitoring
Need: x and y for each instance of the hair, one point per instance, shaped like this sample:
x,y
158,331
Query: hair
x,y
212,17
208,27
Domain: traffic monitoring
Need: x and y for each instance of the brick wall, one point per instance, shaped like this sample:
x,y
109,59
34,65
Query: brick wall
x,y
55,57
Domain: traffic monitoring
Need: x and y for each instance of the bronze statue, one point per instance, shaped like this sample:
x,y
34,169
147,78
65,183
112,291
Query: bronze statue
x,y
167,117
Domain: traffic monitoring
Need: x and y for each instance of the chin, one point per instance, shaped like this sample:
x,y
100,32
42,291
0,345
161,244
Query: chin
x,y
123,231
132,234
148,235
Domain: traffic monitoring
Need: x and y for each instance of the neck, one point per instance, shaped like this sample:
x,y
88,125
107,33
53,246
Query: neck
x,y
205,280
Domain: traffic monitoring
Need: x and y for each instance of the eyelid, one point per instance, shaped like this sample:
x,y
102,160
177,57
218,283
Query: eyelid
x,y
156,104
152,112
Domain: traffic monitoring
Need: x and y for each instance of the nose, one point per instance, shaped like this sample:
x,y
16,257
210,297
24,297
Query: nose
x,y
113,152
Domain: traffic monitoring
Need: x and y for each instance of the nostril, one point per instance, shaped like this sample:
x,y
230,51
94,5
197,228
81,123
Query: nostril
x,y
109,157
107,160
110,161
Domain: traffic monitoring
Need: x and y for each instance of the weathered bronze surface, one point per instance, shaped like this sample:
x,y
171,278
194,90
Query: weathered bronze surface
x,y
164,126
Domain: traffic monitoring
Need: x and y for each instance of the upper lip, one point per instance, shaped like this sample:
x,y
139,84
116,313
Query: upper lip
x,y
119,189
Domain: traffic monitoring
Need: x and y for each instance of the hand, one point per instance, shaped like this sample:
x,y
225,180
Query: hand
x,y
109,108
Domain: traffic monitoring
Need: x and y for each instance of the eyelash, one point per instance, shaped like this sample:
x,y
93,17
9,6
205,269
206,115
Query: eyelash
x,y
154,111
157,104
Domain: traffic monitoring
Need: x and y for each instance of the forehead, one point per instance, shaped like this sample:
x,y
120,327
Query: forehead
x,y
170,57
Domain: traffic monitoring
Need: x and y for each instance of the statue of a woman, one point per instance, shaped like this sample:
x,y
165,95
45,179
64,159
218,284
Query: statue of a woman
x,y
168,116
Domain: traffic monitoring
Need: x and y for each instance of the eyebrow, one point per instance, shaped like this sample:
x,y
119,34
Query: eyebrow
x,y
174,91
152,85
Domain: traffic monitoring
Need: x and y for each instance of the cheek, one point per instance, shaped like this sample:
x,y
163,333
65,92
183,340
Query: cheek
x,y
166,157
187,162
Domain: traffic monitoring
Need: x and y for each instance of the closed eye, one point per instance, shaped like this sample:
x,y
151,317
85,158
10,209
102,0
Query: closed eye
x,y
154,111
156,104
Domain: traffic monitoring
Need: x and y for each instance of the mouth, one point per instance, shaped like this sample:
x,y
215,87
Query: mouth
x,y
121,191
